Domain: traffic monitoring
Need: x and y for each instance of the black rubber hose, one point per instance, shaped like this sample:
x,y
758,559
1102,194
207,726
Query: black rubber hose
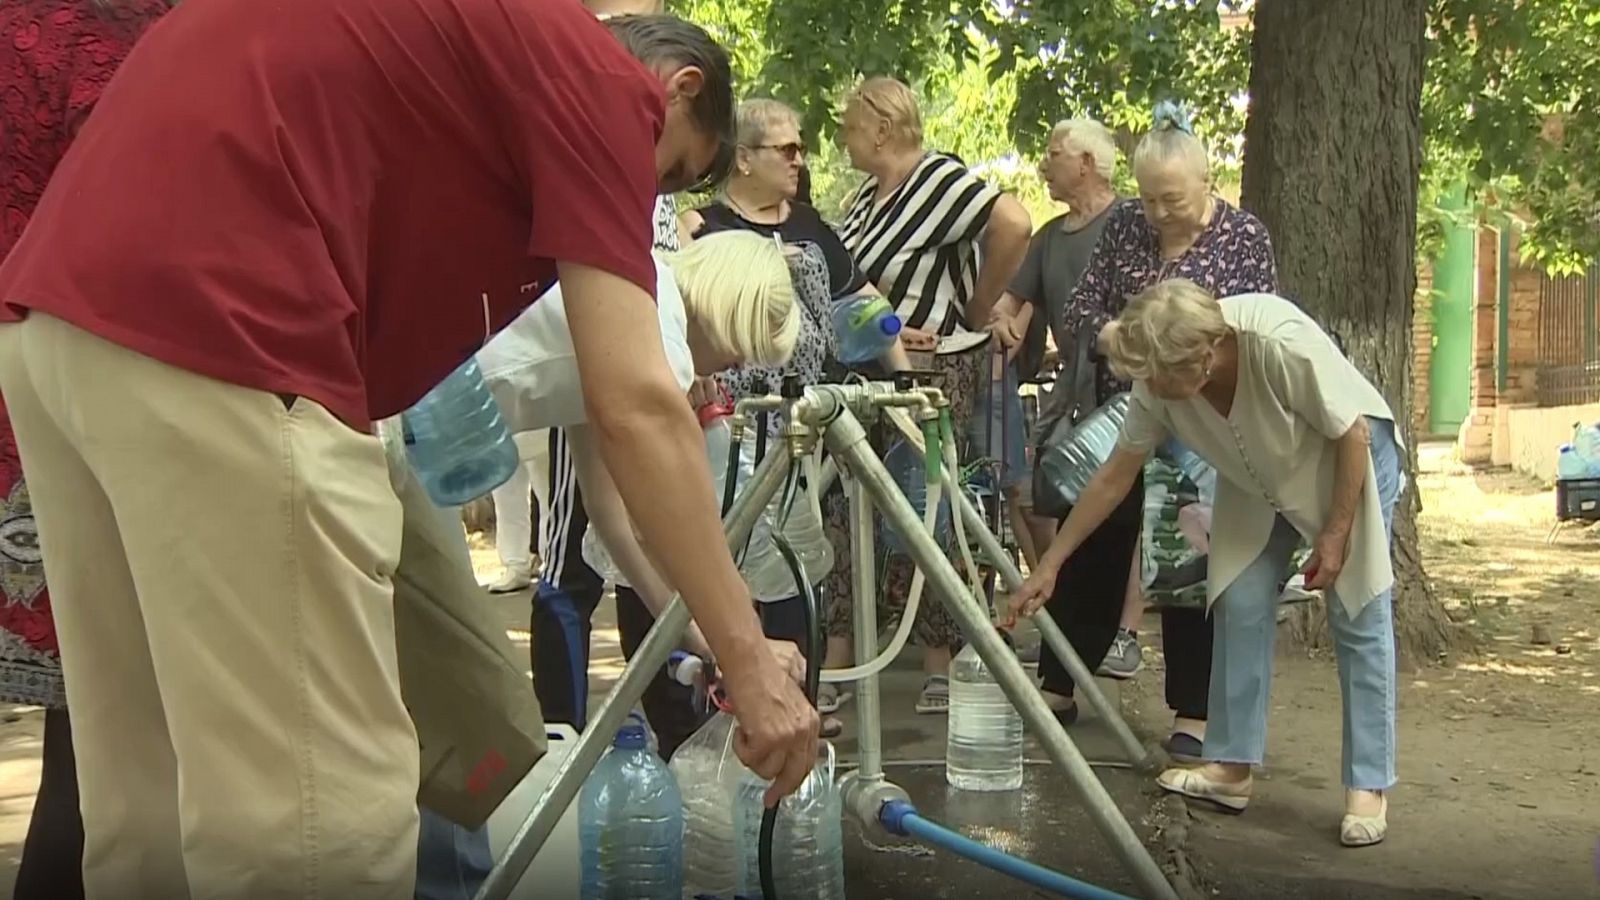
x,y
813,655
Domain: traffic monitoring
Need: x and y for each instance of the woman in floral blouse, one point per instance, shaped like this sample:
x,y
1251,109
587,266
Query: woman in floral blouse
x,y
1178,228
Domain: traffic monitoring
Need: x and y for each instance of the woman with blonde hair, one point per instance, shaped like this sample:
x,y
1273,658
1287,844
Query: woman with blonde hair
x,y
941,245
1305,448
1177,228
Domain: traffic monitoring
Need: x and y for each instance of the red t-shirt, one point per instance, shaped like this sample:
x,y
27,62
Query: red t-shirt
x,y
341,199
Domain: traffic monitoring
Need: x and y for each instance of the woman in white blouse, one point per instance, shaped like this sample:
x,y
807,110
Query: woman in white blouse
x,y
1305,447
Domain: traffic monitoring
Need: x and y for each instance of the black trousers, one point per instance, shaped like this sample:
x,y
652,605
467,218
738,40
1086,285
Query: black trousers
x,y
52,853
1087,604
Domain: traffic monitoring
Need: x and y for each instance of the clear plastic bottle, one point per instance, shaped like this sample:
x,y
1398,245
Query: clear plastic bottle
x,y
1070,463
1570,465
631,823
456,439
984,749
1586,442
708,775
866,328
807,839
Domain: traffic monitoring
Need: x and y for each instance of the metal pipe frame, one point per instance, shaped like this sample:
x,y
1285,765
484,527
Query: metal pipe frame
x,y
847,440
652,654
869,742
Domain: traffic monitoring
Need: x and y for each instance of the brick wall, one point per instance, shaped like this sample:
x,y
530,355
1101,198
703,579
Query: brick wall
x,y
1421,348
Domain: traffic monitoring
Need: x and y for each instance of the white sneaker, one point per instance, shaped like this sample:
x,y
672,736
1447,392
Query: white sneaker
x,y
510,582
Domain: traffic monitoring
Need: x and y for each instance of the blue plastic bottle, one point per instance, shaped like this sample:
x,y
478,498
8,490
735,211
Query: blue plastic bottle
x,y
631,823
456,439
1570,465
866,327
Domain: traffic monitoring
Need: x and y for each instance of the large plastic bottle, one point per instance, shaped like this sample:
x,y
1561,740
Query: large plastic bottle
x,y
631,823
984,749
866,328
1586,441
708,775
1070,463
456,439
1570,465
807,839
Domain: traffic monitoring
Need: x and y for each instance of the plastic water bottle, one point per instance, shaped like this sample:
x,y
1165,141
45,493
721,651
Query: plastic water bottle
x,y
1569,465
866,327
1586,441
456,439
708,776
1070,463
807,839
631,823
984,749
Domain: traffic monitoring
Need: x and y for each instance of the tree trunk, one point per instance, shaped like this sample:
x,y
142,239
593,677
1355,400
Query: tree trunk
x,y
1333,148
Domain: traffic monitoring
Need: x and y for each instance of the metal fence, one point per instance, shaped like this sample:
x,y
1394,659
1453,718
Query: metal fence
x,y
1569,348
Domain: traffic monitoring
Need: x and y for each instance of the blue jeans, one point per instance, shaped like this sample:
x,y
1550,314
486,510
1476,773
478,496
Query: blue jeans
x,y
1241,662
452,862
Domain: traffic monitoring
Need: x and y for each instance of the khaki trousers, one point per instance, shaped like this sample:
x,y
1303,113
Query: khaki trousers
x,y
220,568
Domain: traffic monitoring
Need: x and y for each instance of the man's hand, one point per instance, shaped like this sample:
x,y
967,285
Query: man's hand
x,y
1009,331
777,733
1327,559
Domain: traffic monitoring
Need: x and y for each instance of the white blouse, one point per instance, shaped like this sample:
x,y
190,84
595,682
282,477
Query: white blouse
x,y
1276,451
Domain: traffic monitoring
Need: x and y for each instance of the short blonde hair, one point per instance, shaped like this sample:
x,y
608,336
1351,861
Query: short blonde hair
x,y
1076,136
1165,329
757,118
736,286
890,99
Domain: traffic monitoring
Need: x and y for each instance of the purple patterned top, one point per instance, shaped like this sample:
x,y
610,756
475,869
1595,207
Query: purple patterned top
x,y
1232,256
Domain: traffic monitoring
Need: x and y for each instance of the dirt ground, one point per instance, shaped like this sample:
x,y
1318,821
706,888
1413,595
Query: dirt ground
x,y
1500,751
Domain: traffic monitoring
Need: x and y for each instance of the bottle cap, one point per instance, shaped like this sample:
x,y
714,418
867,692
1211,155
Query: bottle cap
x,y
890,325
632,735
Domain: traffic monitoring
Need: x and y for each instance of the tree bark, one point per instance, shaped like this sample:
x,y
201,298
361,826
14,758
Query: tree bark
x,y
1333,150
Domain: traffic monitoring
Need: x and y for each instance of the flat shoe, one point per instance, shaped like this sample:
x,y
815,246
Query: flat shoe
x,y
1365,831
1230,798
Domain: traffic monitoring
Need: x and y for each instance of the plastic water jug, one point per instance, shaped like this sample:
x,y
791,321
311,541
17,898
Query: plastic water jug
x,y
631,823
456,439
1070,463
984,749
709,775
807,839
1586,441
866,328
1570,465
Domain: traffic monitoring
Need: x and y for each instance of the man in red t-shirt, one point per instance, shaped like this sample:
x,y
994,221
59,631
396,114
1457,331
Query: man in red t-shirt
x,y
284,221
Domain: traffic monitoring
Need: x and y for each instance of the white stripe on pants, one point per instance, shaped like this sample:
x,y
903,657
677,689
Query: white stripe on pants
x,y
220,572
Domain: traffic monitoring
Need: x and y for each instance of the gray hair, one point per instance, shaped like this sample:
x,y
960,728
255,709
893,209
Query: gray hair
x,y
1077,136
1172,137
757,118
663,40
1165,328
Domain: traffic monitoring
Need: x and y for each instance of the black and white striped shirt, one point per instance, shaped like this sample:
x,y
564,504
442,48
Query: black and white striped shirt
x,y
920,244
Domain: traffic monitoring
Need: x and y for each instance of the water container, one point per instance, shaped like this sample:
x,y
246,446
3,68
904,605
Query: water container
x,y
984,749
1586,441
1070,463
631,823
807,839
866,327
1569,465
906,465
456,439
709,775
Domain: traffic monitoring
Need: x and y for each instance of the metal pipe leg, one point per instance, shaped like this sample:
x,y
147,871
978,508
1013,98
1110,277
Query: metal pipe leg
x,y
1052,634
846,438
869,737
652,654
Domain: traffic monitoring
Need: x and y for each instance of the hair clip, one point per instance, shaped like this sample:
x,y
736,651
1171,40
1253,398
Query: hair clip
x,y
1169,114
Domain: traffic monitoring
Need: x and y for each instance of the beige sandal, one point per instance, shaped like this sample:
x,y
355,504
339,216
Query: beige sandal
x,y
1228,797
1365,831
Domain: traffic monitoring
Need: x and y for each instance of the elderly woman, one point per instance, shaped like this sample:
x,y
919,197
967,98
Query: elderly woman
x,y
1177,228
761,196
1305,448
942,245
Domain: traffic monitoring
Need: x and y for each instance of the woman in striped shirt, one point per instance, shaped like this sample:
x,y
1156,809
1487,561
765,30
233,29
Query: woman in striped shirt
x,y
942,245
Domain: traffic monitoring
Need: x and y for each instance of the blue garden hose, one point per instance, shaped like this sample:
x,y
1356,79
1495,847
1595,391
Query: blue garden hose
x,y
901,818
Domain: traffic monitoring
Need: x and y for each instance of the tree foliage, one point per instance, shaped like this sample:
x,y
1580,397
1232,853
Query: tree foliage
x,y
1511,107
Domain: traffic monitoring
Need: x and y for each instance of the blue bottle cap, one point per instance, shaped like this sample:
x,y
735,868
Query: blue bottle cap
x,y
631,736
890,325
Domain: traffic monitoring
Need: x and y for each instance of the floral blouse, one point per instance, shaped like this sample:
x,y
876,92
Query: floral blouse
x,y
1232,256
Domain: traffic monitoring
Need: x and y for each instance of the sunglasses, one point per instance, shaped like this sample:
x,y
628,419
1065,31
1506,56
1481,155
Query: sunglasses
x,y
790,151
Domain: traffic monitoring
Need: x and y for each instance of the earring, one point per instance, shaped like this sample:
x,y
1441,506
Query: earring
x,y
744,170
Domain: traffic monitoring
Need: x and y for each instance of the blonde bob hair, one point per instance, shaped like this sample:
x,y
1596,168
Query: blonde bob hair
x,y
736,286
891,100
1166,329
